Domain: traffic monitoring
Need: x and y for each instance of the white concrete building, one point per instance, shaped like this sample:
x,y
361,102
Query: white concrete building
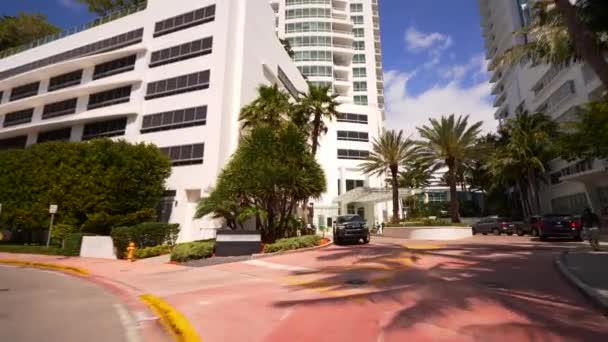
x,y
337,44
172,73
557,92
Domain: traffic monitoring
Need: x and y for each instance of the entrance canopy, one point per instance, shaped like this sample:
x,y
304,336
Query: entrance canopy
x,y
372,195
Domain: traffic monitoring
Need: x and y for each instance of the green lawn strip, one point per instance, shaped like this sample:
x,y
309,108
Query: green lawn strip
x,y
26,249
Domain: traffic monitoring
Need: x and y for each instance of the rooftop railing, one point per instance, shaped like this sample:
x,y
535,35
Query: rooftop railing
x,y
97,22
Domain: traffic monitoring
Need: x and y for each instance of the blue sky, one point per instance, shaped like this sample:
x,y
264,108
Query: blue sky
x,y
433,56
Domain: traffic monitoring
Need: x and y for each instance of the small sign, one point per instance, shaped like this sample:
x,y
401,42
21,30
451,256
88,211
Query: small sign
x,y
53,209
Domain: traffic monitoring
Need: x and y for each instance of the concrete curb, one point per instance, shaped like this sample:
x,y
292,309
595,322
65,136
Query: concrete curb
x,y
301,250
173,321
597,298
46,266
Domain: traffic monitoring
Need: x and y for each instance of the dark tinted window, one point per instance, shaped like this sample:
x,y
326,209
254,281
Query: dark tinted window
x,y
185,154
19,117
182,52
178,85
353,136
196,116
353,118
62,134
352,154
66,80
60,108
110,97
105,129
114,67
109,44
24,91
184,21
13,143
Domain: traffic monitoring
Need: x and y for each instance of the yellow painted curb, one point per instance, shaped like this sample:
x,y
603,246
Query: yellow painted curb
x,y
42,265
174,321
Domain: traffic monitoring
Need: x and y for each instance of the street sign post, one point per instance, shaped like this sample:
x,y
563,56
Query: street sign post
x,y
52,210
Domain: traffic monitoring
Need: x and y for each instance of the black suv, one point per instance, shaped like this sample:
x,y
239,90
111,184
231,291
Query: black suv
x,y
350,228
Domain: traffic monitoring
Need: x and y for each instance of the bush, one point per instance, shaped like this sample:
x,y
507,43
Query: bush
x,y
101,181
149,252
59,233
24,249
293,243
192,251
144,235
71,244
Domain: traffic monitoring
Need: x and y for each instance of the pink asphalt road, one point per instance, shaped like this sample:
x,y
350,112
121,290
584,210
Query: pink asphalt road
x,y
480,289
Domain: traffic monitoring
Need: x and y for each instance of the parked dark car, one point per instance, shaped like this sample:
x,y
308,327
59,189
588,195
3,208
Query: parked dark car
x,y
560,225
495,225
530,226
350,228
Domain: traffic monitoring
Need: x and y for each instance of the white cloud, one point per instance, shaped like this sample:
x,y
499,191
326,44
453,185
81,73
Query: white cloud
x,y
476,68
407,112
434,43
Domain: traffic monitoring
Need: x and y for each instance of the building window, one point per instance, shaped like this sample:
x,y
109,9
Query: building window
x,y
189,117
21,92
353,118
359,32
66,80
114,67
359,72
288,84
308,27
321,84
305,56
184,21
60,108
178,85
62,134
356,7
308,13
353,154
359,45
310,41
360,86
357,19
316,70
353,136
185,155
182,52
572,204
350,209
105,129
361,212
359,59
307,2
109,97
1,96
360,100
164,207
16,143
19,117
437,197
109,44
558,97
353,184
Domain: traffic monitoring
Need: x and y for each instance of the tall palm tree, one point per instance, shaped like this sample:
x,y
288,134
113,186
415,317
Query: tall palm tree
x,y
271,108
449,142
320,105
390,151
561,33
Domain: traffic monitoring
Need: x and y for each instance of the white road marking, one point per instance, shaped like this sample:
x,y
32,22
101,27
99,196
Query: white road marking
x,y
142,317
131,327
274,266
286,314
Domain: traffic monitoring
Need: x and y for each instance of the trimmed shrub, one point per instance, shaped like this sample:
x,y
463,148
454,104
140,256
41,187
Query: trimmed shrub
x,y
59,233
293,243
192,251
25,249
149,252
71,244
144,235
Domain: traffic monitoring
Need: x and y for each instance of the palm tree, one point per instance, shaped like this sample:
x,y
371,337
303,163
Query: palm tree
x,y
449,142
271,108
320,105
390,151
418,174
561,33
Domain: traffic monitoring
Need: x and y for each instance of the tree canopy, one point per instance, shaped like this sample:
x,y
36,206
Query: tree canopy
x,y
104,7
587,137
23,29
96,184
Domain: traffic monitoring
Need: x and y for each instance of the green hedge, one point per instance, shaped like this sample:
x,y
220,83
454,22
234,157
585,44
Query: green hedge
x,y
192,251
293,243
149,252
144,235
71,244
25,249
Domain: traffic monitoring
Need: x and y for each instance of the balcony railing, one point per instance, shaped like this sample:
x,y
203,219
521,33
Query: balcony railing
x,y
97,22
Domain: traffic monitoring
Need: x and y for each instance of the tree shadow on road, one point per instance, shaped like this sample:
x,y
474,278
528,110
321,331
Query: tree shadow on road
x,y
486,291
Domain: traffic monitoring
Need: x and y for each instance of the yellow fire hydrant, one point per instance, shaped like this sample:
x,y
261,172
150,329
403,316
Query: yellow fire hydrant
x,y
131,251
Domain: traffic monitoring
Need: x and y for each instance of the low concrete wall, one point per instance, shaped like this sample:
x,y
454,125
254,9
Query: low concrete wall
x,y
428,233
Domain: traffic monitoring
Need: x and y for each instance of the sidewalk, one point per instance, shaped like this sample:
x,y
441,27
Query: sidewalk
x,y
589,272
